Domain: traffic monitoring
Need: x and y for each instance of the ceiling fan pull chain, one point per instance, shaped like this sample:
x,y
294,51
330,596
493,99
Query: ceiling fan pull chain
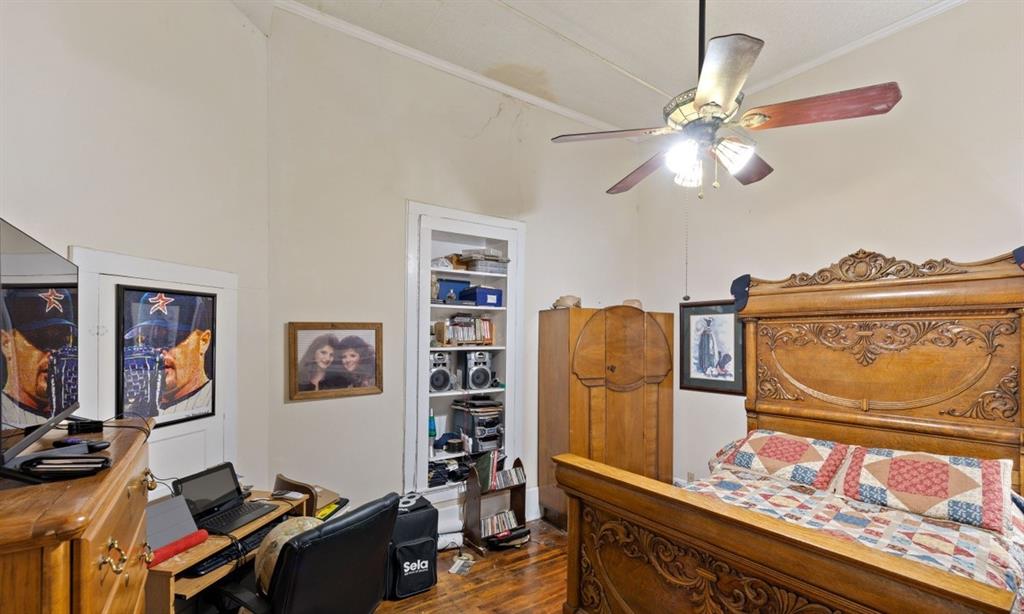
x,y
686,251
716,184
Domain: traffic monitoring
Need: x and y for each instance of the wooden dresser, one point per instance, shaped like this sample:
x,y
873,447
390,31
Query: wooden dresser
x,y
78,545
604,392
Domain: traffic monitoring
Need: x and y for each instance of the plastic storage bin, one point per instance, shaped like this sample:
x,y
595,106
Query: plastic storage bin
x,y
490,297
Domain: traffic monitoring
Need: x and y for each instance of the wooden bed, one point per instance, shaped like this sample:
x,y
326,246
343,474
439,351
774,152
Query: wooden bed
x,y
870,350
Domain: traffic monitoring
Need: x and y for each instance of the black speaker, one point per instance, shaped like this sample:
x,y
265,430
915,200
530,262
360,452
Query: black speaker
x,y
476,370
441,378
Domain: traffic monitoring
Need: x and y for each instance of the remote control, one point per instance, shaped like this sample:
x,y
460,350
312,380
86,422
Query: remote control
x,y
94,445
68,441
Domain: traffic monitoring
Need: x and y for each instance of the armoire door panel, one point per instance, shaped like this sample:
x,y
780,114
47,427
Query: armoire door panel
x,y
579,394
658,349
598,428
624,429
624,347
650,440
588,362
666,394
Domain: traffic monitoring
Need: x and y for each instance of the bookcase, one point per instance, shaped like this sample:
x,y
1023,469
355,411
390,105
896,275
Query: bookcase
x,y
468,340
473,533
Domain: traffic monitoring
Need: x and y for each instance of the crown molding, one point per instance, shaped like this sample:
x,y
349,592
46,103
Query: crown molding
x,y
889,30
297,8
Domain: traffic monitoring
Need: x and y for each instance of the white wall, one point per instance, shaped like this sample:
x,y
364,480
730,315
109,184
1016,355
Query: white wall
x,y
354,132
140,128
939,176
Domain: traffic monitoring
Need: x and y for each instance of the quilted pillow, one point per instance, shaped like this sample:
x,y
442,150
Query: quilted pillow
x,y
801,460
723,452
962,489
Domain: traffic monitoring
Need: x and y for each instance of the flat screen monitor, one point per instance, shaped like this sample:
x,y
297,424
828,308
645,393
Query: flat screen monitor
x,y
38,340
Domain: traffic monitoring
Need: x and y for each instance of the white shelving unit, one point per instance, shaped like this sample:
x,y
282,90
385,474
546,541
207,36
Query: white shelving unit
x,y
434,232
465,307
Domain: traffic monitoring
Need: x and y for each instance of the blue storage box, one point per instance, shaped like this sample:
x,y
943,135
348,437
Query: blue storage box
x,y
491,297
456,285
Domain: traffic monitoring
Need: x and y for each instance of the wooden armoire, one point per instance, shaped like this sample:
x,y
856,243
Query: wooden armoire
x,y
604,392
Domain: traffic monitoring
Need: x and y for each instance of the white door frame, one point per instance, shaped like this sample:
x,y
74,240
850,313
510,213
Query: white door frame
x,y
92,265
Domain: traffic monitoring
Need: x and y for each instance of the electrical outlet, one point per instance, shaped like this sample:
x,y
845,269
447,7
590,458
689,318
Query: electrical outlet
x,y
690,477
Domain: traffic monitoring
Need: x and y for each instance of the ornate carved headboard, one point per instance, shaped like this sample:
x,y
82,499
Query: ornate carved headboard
x,y
878,351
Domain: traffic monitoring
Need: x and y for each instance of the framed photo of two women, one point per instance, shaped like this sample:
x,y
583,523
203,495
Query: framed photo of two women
x,y
334,359
710,347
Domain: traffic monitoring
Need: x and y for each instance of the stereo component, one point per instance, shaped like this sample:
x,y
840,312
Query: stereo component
x,y
483,430
441,379
476,370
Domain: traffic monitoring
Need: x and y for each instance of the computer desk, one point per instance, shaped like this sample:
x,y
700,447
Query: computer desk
x,y
165,583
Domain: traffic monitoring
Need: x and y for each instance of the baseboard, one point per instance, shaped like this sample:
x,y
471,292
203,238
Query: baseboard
x,y
532,503
449,513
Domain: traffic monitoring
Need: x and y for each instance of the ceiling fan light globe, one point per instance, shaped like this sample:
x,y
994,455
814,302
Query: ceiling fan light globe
x,y
682,156
734,154
691,177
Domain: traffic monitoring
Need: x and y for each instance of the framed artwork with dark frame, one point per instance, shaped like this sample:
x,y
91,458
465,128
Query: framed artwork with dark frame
x,y
710,347
334,359
166,353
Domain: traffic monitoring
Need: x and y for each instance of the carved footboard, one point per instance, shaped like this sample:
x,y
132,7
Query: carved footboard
x,y
639,545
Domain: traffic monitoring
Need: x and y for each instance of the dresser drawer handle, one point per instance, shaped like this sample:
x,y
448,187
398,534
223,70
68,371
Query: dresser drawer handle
x,y
147,554
118,566
149,480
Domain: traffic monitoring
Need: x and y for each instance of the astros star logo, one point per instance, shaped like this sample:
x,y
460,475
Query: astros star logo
x,y
52,298
160,303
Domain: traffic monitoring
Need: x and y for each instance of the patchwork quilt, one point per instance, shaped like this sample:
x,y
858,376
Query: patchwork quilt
x,y
972,552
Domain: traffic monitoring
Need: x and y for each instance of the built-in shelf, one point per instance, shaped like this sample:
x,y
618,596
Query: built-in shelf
x,y
466,273
435,232
463,393
440,456
449,485
465,307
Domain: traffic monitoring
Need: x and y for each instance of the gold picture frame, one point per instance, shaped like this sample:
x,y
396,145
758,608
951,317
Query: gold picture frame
x,y
329,360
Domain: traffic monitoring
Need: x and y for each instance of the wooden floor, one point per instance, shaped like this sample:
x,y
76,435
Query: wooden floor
x,y
527,579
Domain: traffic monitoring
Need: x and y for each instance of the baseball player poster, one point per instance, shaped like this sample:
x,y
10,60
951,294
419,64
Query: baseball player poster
x,y
167,347
38,353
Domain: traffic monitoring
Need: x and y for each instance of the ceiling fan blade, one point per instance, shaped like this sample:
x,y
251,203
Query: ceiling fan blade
x,y
639,174
727,63
753,171
612,134
860,102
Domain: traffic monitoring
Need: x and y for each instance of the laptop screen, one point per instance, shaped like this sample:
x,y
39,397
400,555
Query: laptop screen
x,y
208,491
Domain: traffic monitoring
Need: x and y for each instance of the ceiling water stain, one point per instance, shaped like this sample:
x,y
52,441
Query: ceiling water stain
x,y
526,78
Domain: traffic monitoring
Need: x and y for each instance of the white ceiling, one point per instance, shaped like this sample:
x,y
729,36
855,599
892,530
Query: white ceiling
x,y
619,61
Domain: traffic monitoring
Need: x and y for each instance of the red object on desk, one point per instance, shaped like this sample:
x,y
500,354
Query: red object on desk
x,y
178,546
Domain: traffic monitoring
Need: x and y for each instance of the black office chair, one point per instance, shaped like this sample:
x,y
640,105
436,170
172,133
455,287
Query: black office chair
x,y
338,566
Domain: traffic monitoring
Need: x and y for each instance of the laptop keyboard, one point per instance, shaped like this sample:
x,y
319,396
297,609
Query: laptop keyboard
x,y
246,545
231,519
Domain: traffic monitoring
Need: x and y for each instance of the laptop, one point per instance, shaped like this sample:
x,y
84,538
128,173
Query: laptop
x,y
215,500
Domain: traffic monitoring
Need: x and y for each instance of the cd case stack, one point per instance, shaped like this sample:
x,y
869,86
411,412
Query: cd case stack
x,y
498,523
508,478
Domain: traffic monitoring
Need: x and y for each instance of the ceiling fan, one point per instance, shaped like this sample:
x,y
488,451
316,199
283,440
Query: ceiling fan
x,y
707,123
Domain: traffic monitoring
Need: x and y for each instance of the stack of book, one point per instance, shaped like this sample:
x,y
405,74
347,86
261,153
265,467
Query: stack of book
x,y
464,328
498,523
